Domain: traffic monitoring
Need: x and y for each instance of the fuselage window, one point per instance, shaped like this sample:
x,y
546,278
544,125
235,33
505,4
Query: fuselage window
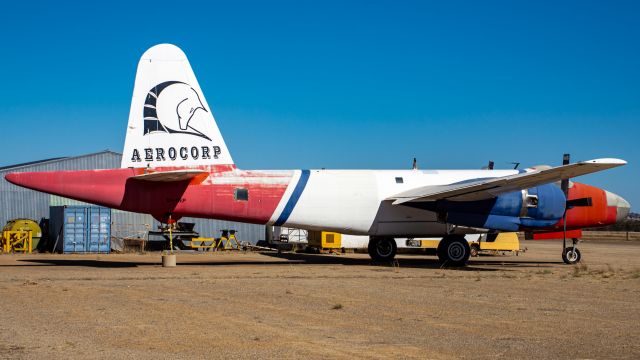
x,y
241,194
399,180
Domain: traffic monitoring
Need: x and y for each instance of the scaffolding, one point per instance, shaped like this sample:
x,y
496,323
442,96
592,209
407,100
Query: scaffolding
x,y
17,241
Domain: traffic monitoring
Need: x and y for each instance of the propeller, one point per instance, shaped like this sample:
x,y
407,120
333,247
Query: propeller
x,y
564,185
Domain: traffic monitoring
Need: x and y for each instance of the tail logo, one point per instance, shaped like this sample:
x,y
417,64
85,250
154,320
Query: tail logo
x,y
174,111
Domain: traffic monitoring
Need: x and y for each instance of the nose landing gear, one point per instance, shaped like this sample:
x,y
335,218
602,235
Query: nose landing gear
x,y
571,255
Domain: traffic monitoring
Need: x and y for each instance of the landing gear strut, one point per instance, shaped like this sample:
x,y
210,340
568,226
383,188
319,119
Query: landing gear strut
x,y
382,248
571,254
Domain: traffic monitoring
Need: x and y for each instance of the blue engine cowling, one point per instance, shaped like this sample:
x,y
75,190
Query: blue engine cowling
x,y
537,207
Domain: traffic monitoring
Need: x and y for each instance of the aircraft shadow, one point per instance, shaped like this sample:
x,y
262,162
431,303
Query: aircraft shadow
x,y
106,263
79,262
422,262
407,262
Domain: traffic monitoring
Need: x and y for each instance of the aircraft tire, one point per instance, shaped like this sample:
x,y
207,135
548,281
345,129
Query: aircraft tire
x,y
454,250
382,249
570,257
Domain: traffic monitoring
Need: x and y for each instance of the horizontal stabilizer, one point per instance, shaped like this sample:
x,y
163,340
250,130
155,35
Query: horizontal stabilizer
x,y
492,187
171,176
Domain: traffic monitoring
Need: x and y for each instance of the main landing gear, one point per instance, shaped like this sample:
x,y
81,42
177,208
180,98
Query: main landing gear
x,y
571,254
454,250
382,248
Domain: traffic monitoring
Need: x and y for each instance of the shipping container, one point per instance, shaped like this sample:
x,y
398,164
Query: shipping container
x,y
80,229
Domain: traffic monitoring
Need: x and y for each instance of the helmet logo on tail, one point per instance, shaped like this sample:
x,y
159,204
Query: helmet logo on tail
x,y
174,112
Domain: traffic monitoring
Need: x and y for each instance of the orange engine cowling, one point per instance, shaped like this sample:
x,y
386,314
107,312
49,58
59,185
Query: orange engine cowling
x,y
606,209
600,213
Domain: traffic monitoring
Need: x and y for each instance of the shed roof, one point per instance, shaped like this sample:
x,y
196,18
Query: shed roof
x,y
56,159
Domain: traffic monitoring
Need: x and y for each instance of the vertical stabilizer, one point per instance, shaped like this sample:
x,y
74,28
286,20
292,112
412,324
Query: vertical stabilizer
x,y
170,122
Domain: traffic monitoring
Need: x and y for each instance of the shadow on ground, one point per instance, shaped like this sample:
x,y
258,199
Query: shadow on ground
x,y
275,259
419,261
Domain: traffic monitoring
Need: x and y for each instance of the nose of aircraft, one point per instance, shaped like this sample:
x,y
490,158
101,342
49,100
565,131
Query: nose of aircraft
x,y
622,206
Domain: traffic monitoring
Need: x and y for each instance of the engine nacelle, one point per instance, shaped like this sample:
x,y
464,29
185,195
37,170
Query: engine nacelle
x,y
537,207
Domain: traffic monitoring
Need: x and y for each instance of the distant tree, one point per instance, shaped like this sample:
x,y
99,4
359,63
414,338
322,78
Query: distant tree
x,y
631,223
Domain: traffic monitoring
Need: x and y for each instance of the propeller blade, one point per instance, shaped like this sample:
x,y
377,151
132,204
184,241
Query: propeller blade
x,y
564,184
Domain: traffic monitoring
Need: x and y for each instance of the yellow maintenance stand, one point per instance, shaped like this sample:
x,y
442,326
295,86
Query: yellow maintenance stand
x,y
497,243
201,243
25,225
503,242
228,241
17,241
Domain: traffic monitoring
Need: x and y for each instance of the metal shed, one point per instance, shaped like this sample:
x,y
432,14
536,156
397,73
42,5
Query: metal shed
x,y
18,202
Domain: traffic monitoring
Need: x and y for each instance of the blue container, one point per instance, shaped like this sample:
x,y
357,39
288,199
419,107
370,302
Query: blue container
x,y
81,229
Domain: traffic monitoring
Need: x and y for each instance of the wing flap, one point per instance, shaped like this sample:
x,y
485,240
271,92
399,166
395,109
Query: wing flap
x,y
171,176
489,188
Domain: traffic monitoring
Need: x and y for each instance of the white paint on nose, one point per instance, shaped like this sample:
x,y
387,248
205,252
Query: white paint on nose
x,y
622,206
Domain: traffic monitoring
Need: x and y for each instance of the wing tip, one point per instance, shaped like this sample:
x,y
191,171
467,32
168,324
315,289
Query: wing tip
x,y
605,161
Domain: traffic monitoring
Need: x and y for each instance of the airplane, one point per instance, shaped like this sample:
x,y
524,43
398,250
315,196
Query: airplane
x,y
176,163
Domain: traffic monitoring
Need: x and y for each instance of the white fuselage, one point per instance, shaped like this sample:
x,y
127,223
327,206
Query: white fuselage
x,y
353,201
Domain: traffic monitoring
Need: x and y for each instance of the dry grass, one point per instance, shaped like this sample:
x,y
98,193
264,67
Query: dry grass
x,y
233,305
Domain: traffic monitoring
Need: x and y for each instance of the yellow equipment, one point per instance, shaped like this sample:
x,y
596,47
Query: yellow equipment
x,y
505,241
25,225
324,240
17,241
430,243
228,241
200,243
501,242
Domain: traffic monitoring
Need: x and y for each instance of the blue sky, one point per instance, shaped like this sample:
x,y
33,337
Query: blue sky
x,y
340,84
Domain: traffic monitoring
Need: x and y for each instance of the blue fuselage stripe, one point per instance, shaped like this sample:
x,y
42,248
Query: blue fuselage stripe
x,y
293,200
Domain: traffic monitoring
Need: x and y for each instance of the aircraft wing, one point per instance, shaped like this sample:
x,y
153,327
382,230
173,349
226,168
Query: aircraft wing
x,y
170,176
492,187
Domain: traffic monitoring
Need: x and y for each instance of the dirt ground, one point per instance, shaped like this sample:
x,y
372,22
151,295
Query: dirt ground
x,y
261,305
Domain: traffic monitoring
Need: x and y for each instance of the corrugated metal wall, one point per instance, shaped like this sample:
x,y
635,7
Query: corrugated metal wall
x,y
17,202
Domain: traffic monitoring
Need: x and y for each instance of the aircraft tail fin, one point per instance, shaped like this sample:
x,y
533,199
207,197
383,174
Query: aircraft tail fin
x,y
170,122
